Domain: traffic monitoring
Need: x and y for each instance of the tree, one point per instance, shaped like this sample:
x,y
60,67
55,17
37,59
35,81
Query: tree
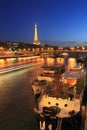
x,y
80,84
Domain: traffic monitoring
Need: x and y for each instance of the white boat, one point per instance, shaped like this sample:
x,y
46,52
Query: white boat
x,y
60,113
37,86
50,72
76,68
47,76
55,109
65,105
50,79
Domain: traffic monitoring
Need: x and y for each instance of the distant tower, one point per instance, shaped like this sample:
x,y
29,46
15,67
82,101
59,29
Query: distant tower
x,y
36,42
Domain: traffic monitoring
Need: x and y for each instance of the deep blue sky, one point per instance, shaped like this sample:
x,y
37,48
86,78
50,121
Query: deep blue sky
x,y
56,19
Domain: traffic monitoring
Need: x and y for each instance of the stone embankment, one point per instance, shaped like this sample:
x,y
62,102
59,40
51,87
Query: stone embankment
x,y
16,56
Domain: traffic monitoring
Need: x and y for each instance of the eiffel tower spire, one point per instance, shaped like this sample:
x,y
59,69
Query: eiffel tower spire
x,y
36,42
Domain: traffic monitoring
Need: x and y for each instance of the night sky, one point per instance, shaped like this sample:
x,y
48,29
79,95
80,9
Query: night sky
x,y
57,20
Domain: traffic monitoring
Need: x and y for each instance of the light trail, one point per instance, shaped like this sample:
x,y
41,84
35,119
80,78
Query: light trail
x,y
6,70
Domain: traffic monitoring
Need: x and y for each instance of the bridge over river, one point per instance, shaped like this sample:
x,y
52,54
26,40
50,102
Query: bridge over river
x,y
56,53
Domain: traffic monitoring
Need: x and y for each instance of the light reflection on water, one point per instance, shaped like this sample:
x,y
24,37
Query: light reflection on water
x,y
71,62
14,61
7,62
17,99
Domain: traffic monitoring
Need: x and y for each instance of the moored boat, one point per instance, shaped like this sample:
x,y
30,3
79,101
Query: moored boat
x,y
47,76
81,60
59,114
57,109
76,68
37,86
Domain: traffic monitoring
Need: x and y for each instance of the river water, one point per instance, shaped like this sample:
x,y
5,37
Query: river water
x,y
17,100
16,96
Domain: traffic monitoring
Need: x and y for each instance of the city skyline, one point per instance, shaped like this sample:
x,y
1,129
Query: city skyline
x,y
57,20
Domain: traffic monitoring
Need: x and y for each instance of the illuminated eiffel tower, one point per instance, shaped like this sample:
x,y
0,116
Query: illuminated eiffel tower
x,y
36,42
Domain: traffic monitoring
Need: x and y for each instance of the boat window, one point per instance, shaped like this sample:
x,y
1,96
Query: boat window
x,y
49,103
65,105
41,74
57,104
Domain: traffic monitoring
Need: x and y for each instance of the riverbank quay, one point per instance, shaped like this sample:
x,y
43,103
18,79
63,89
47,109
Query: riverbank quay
x,y
12,62
17,56
18,67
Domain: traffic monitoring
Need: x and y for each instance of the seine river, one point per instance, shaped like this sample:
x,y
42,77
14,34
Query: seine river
x,y
16,95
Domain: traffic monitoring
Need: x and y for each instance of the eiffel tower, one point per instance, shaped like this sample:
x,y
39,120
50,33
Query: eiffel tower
x,y
36,42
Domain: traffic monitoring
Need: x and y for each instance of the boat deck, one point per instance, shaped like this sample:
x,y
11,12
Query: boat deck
x,y
65,104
